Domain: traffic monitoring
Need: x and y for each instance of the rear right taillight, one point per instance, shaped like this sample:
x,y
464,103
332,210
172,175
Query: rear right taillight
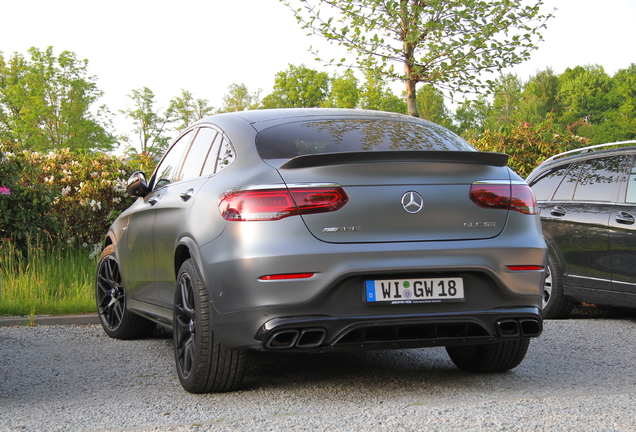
x,y
267,203
516,196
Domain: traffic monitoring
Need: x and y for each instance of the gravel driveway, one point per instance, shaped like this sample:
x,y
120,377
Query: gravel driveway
x,y
579,376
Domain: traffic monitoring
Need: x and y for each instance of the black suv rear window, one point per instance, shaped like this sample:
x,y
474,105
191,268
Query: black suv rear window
x,y
354,135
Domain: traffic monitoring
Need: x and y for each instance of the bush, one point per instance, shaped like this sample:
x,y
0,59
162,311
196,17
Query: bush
x,y
529,146
25,201
62,197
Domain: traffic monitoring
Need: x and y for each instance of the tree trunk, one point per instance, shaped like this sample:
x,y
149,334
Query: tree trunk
x,y
411,100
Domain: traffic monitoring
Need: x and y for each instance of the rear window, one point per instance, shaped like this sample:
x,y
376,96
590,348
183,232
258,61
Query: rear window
x,y
354,135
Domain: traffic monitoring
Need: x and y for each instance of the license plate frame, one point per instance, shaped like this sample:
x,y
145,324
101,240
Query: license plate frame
x,y
416,290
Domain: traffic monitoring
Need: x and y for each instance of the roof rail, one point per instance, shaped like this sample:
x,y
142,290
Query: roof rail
x,y
590,148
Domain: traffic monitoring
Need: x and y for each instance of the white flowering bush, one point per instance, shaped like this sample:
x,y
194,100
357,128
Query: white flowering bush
x,y
70,199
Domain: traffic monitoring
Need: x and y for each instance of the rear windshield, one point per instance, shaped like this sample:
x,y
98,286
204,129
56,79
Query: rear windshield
x,y
354,135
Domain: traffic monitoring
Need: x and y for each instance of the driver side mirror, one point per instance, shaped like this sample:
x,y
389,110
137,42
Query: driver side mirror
x,y
137,185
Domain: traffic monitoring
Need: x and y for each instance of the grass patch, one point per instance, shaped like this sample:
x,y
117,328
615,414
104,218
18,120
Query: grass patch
x,y
46,280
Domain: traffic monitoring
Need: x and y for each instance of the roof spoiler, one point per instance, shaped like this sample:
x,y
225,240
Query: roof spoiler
x,y
346,158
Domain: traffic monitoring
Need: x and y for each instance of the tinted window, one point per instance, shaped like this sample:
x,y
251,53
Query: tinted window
x,y
544,185
631,185
568,185
221,155
210,160
168,169
226,155
197,153
354,135
597,179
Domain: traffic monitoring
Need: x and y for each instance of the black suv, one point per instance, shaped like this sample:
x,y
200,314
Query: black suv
x,y
587,203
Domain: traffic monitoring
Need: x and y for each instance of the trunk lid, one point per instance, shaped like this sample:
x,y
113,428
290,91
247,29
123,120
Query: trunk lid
x,y
402,196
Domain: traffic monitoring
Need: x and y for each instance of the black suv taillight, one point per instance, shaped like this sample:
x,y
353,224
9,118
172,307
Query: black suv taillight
x,y
516,196
266,203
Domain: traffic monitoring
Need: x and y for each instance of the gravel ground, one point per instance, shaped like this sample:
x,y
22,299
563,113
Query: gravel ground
x,y
578,376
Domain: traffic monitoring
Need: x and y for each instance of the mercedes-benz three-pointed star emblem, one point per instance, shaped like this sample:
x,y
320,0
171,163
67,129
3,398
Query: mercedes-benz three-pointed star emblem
x,y
412,202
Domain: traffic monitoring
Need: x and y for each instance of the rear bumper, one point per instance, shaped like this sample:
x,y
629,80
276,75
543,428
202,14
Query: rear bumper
x,y
399,331
329,310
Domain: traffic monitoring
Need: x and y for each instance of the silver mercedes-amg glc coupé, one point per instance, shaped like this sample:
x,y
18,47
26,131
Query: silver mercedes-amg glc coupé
x,y
309,230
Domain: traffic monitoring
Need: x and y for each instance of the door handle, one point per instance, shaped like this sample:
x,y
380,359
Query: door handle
x,y
185,196
154,200
558,211
625,218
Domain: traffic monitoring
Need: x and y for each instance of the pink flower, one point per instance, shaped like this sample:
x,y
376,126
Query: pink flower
x,y
5,190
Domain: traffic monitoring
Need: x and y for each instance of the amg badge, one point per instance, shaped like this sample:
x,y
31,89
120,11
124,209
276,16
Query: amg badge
x,y
342,229
480,224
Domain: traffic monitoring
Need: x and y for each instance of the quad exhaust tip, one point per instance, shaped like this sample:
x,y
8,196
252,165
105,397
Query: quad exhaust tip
x,y
520,327
297,338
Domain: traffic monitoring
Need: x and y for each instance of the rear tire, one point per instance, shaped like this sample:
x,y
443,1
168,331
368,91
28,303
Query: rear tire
x,y
110,294
555,304
203,364
489,358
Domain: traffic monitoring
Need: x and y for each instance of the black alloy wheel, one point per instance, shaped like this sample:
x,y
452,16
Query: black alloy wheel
x,y
203,364
185,326
110,295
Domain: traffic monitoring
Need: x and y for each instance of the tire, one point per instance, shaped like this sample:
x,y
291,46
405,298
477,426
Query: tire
x,y
110,294
203,364
554,304
489,358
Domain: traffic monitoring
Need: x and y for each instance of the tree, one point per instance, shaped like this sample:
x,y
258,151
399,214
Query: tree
x,y
185,110
539,97
239,98
471,117
622,119
298,87
446,43
149,125
431,106
506,101
376,95
584,96
344,91
46,103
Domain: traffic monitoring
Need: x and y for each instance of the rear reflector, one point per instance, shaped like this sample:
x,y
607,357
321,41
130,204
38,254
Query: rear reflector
x,y
504,196
274,203
286,276
525,268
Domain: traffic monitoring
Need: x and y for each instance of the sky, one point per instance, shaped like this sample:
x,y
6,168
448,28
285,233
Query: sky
x,y
204,46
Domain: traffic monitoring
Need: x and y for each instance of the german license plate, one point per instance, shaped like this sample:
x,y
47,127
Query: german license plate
x,y
415,290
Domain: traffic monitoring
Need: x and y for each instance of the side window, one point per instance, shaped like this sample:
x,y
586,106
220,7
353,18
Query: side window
x,y
226,155
598,178
168,168
544,185
220,160
631,185
566,189
197,153
210,160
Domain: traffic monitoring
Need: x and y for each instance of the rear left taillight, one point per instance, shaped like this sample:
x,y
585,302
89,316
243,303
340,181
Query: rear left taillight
x,y
267,203
516,196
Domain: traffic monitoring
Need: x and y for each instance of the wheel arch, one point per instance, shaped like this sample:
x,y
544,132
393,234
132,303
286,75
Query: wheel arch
x,y
557,256
187,249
